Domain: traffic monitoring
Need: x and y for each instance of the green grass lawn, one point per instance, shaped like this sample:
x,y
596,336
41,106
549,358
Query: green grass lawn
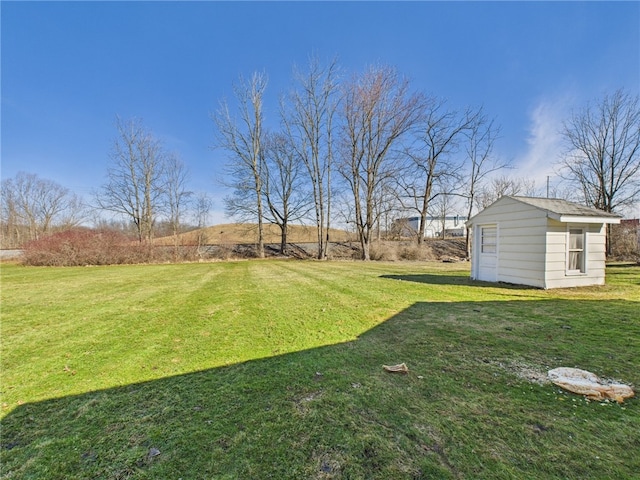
x,y
273,369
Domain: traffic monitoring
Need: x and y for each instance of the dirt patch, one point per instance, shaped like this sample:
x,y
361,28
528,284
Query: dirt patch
x,y
523,370
328,465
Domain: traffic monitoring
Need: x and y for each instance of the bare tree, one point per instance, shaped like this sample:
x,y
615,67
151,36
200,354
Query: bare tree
x,y
33,206
431,156
243,138
504,185
387,208
284,187
378,111
480,139
74,213
443,203
603,156
203,205
12,230
136,177
176,195
308,116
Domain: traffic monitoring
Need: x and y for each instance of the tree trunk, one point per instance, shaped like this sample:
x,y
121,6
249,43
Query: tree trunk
x,y
423,213
283,237
365,244
467,242
260,250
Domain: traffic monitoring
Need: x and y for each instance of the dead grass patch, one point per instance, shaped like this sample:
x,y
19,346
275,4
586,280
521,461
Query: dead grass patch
x,y
302,403
523,370
328,465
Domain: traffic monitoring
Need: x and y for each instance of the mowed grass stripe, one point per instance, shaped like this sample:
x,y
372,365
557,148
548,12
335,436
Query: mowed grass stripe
x,y
96,332
101,320
81,329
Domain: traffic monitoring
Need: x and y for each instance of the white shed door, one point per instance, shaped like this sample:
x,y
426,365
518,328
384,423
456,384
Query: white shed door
x,y
488,253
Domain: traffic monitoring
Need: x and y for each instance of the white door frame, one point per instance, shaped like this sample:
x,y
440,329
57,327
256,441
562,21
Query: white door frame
x,y
485,263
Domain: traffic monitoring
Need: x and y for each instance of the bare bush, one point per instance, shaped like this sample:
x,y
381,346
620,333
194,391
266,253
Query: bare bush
x,y
82,247
625,241
383,251
391,251
98,247
416,252
224,252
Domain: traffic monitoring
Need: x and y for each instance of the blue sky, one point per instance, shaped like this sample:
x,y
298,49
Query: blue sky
x,y
68,68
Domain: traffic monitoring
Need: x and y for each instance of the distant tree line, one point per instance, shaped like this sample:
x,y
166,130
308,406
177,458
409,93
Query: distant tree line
x,y
365,148
145,194
33,207
358,150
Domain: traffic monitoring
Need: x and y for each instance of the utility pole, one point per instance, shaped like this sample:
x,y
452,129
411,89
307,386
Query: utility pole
x,y
547,186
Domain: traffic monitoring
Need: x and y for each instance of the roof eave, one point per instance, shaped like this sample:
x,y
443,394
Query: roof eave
x,y
582,219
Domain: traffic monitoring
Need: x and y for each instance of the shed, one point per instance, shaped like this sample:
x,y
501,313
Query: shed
x,y
542,242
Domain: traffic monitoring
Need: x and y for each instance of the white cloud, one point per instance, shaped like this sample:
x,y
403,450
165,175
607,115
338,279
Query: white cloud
x,y
544,143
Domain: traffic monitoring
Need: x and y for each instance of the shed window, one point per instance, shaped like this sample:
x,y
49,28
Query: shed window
x,y
489,240
575,252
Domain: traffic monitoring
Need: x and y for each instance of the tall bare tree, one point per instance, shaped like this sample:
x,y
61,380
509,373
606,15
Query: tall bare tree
x,y
243,139
33,206
12,230
378,111
603,156
480,139
135,183
176,195
431,156
284,185
308,114
388,208
203,205
442,206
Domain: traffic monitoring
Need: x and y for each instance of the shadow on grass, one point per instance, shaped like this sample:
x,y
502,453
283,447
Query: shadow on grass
x,y
332,412
623,265
453,280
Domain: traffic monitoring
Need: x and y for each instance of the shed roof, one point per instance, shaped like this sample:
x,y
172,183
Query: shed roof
x,y
563,210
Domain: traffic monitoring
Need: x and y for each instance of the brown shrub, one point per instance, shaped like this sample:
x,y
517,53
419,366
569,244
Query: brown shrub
x,y
625,241
92,247
383,251
392,251
413,251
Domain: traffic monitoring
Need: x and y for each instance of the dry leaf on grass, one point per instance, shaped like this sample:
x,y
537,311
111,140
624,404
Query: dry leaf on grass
x,y
401,368
590,385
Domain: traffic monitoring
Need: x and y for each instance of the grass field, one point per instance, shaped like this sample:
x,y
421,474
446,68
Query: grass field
x,y
273,369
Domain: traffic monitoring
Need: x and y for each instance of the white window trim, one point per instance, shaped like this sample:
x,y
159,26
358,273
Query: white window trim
x,y
482,243
583,269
